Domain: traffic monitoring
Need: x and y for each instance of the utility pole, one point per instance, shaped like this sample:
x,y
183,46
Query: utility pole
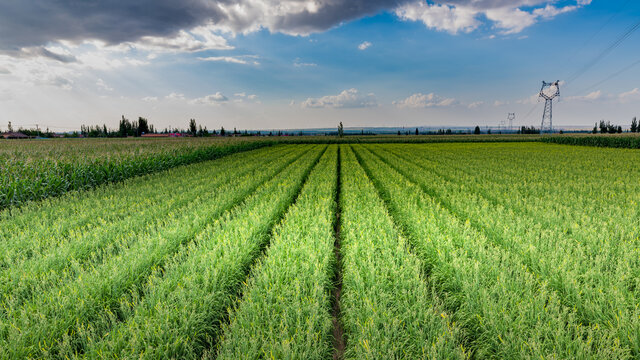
x,y
548,92
510,118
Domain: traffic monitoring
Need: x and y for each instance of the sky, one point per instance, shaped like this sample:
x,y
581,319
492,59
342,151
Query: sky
x,y
295,64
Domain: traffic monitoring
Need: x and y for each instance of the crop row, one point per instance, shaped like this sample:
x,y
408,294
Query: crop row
x,y
540,295
388,310
394,251
584,250
36,259
65,318
285,307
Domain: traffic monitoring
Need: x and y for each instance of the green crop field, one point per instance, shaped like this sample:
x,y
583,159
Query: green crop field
x,y
513,250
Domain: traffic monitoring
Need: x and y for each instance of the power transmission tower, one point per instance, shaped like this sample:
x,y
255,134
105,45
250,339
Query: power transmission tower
x,y
548,92
510,118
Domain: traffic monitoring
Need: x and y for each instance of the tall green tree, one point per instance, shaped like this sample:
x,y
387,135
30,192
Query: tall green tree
x,y
143,126
634,125
193,128
477,130
340,129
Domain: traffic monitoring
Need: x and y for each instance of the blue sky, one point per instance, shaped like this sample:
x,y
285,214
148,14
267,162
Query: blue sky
x,y
263,64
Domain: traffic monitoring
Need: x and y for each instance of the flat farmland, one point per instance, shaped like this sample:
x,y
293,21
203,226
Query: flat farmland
x,y
322,251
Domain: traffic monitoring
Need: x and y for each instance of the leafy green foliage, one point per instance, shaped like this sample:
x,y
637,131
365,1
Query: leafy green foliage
x,y
35,170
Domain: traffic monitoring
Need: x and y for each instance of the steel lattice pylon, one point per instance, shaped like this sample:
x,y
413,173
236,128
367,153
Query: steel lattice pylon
x,y
510,118
548,92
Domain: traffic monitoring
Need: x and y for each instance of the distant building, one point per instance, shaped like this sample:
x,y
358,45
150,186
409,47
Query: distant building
x,y
14,135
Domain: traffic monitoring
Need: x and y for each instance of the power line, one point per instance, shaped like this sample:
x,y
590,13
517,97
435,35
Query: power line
x,y
584,44
623,70
530,111
604,53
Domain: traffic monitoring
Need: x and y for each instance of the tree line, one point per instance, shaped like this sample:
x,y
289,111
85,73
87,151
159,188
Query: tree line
x,y
137,128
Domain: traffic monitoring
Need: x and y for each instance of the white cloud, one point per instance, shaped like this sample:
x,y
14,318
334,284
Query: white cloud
x,y
41,70
175,96
464,16
346,99
475,105
198,39
242,97
213,99
298,63
593,96
364,46
420,100
629,96
241,59
500,103
150,98
452,19
510,20
102,85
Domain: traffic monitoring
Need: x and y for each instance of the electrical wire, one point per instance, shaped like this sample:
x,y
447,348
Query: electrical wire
x,y
617,73
590,39
604,53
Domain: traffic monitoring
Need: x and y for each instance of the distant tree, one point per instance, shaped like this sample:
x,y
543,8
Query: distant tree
x,y
399,132
619,129
340,129
193,128
595,129
449,132
235,131
143,126
603,127
417,132
222,132
489,131
9,127
122,128
634,125
476,130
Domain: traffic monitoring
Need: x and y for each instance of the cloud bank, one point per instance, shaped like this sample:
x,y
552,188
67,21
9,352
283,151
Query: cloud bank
x,y
420,100
196,25
347,99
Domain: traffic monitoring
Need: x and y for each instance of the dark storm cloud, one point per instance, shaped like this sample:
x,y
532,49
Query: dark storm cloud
x,y
28,23
331,13
35,22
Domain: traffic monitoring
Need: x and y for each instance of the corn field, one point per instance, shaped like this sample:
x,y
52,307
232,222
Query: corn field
x,y
36,170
